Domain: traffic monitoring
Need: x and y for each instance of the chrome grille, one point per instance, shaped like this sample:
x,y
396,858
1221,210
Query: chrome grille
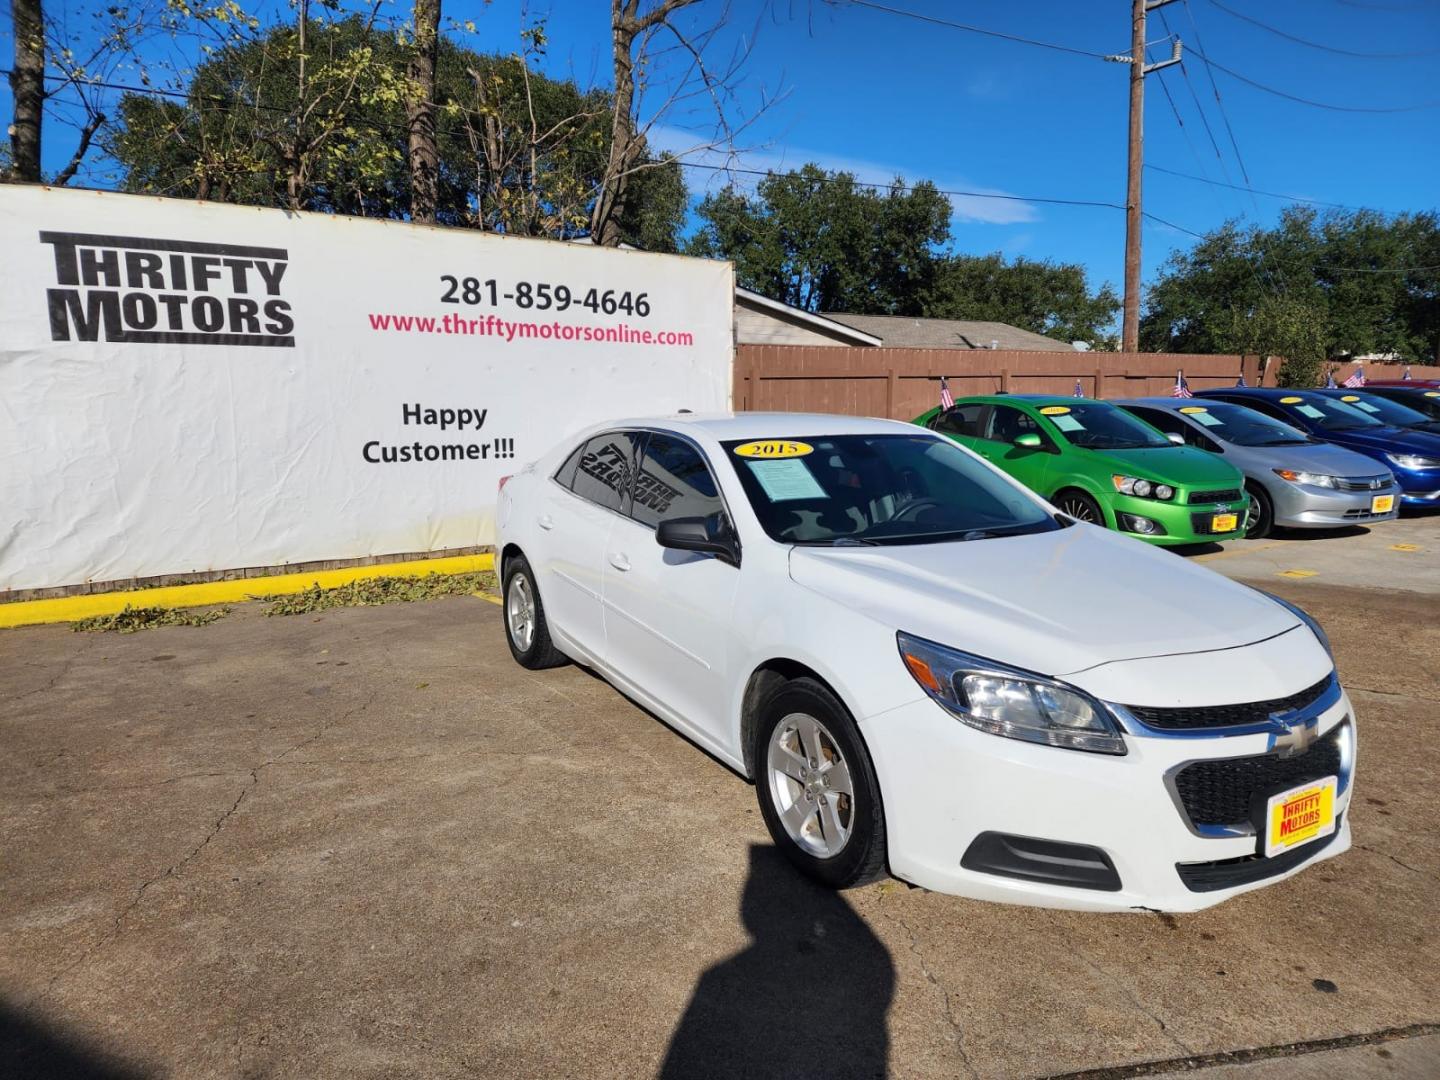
x,y
1363,483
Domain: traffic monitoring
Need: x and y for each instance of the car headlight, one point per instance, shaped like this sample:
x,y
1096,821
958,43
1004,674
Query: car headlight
x,y
1009,702
1296,476
1414,461
1305,617
1145,489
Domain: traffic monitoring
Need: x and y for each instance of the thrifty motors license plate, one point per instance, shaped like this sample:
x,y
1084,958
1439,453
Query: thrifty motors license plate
x,y
1300,815
1381,504
1224,523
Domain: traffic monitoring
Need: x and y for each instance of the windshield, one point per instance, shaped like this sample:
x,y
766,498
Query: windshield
x,y
879,489
1329,413
1098,425
1385,410
1244,427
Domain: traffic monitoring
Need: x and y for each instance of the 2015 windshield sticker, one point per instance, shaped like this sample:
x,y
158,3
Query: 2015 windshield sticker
x,y
1351,397
1054,410
774,448
1291,400
786,480
1190,410
1432,393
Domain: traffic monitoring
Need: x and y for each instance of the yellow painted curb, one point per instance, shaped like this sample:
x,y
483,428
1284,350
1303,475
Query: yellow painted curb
x,y
1299,573
73,608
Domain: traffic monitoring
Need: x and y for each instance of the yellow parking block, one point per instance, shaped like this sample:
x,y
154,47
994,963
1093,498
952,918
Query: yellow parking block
x,y
73,608
1299,573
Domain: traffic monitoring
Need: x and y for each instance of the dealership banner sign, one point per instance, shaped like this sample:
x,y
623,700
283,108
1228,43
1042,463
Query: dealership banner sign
x,y
188,386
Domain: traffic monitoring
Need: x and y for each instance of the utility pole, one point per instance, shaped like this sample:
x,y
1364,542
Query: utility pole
x,y
1134,217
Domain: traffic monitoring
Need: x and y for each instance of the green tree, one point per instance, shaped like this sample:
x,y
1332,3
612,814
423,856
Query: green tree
x,y
1372,282
1054,299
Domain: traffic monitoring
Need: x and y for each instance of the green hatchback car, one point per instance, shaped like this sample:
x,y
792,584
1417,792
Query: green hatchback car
x,y
1098,463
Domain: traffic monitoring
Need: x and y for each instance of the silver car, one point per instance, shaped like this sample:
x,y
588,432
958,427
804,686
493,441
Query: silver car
x,y
1294,481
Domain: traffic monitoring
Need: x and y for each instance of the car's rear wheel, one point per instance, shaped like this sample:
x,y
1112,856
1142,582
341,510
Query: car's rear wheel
x,y
817,788
525,628
1260,518
1080,506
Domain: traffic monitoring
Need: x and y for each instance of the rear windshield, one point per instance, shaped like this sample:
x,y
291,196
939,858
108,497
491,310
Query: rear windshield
x,y
1098,425
1242,426
879,489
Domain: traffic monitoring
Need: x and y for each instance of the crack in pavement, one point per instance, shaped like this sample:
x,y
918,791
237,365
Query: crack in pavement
x,y
1130,994
1389,693
65,667
177,868
1392,858
957,1033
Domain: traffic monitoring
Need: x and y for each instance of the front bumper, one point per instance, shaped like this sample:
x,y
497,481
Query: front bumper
x,y
1303,506
944,784
1179,520
1420,497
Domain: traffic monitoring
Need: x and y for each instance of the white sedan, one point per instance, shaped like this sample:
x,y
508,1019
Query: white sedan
x,y
927,669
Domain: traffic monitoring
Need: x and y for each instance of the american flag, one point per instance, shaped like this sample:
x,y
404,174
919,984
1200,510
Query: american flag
x,y
1241,381
947,400
1330,379
1182,388
1079,390
1358,378
1406,376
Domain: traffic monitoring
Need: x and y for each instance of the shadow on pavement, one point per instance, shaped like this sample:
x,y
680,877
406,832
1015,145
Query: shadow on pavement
x,y
807,998
33,1051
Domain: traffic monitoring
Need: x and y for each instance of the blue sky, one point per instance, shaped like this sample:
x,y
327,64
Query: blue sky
x,y
880,95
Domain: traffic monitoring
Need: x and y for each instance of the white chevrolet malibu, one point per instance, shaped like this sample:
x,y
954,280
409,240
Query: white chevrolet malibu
x,y
926,669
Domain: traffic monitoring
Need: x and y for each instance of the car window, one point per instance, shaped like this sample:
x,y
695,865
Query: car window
x,y
606,468
1260,405
565,475
1169,422
1098,425
879,489
1008,423
1329,413
961,420
1385,410
673,481
1243,425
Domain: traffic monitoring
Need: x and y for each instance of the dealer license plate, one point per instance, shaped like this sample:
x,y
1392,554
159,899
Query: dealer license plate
x,y
1381,504
1224,523
1300,815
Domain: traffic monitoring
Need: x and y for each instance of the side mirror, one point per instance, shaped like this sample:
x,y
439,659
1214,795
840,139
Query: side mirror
x,y
1175,437
698,534
1030,441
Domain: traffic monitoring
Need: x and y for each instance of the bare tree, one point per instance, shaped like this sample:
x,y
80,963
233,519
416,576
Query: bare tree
x,y
420,112
27,84
638,36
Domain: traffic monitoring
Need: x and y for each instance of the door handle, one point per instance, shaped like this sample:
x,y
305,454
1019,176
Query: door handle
x,y
619,561
545,521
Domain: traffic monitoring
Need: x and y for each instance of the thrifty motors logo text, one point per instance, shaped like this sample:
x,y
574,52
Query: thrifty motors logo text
x,y
133,289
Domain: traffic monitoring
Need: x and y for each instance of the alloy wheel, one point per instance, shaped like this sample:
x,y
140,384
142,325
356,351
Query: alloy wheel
x,y
1079,509
520,612
810,785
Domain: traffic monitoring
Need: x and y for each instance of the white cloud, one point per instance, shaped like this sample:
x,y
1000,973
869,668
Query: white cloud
x,y
968,208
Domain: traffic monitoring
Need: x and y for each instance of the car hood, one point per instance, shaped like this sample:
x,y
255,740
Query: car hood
x,y
1055,603
1179,466
1386,439
1327,458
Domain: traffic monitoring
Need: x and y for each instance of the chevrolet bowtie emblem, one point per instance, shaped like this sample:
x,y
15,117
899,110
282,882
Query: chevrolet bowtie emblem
x,y
1296,739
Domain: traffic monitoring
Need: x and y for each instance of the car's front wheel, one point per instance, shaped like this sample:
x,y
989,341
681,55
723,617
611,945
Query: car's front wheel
x,y
1260,517
525,627
817,788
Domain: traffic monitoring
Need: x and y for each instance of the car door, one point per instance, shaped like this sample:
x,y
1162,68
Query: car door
x,y
667,612
580,508
1029,465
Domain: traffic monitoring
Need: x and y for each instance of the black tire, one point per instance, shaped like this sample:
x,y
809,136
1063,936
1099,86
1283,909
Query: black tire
x,y
541,652
1262,518
1080,506
862,858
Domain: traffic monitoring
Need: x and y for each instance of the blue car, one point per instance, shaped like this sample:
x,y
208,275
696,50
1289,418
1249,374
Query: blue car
x,y
1424,399
1387,411
1413,456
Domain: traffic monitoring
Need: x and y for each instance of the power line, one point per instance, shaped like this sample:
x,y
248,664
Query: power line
x,y
229,102
1308,101
1254,191
976,29
1320,45
1219,103
1376,270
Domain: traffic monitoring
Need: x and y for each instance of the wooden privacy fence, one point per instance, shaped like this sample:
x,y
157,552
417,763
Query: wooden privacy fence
x,y
902,383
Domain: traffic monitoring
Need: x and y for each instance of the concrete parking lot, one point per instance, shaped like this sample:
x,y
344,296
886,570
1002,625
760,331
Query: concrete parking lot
x,y
365,843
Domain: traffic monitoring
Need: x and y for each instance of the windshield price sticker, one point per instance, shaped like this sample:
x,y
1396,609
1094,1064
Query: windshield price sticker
x,y
1432,393
1291,400
1312,412
1054,410
786,480
1068,423
1189,410
774,448
1351,397
1206,418
1365,405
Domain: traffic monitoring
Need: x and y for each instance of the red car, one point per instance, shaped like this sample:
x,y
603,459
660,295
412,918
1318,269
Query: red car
x,y
1419,384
